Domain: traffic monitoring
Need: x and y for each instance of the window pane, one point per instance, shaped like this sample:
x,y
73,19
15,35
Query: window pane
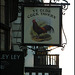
x,y
39,73
26,73
46,73
2,36
33,73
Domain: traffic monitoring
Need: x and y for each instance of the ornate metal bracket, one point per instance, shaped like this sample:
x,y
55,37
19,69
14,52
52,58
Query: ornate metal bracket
x,y
63,3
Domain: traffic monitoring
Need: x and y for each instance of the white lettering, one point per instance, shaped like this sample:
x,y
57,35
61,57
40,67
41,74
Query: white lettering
x,y
7,56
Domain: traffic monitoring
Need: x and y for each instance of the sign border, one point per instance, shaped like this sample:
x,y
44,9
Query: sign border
x,y
60,27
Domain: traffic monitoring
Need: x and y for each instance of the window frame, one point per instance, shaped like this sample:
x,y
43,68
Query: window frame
x,y
6,37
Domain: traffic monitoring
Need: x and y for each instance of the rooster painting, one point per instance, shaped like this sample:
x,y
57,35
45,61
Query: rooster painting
x,y
42,30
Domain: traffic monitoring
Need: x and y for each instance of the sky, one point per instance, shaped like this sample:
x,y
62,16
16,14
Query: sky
x,y
66,57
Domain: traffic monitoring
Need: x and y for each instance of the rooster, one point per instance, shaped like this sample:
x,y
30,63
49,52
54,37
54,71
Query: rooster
x,y
39,30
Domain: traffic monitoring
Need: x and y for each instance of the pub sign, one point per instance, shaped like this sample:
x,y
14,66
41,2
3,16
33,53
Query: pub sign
x,y
42,25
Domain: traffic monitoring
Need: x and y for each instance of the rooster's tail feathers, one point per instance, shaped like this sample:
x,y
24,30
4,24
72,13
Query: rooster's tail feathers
x,y
49,28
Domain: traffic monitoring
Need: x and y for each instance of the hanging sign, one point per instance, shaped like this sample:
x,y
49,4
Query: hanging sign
x,y
11,63
42,25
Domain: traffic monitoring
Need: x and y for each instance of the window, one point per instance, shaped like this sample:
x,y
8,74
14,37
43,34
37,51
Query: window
x,y
46,60
4,37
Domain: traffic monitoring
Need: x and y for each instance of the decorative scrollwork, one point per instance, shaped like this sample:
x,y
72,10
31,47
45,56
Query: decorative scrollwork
x,y
58,1
63,3
64,8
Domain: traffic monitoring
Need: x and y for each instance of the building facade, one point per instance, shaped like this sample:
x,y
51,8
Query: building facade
x,y
8,13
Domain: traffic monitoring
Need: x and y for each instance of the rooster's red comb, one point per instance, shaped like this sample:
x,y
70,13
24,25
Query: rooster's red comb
x,y
33,20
